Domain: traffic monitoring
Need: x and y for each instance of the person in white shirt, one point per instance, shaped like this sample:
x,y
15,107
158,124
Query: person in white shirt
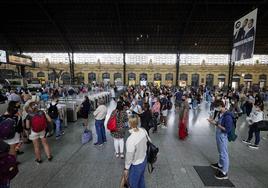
x,y
135,107
100,115
136,147
255,116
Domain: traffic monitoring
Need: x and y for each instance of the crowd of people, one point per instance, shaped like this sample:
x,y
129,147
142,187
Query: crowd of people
x,y
142,110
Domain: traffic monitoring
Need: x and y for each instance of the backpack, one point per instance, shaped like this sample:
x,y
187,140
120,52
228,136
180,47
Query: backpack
x,y
111,125
151,153
231,134
39,122
9,168
53,111
7,128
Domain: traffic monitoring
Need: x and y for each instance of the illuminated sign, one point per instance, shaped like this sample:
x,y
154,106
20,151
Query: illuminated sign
x,y
3,56
20,60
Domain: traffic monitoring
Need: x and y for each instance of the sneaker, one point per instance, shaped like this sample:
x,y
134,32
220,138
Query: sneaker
x,y
253,146
38,161
50,158
58,137
117,155
246,141
62,132
122,156
216,166
96,143
220,176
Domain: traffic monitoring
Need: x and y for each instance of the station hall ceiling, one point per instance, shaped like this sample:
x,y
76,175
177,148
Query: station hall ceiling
x,y
131,26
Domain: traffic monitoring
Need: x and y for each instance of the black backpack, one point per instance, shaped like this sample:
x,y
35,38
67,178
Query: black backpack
x,y
53,111
151,152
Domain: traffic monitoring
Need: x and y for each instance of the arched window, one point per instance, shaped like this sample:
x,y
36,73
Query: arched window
x,y
40,74
157,77
195,80
117,75
131,76
52,76
80,77
169,76
143,76
66,78
248,77
183,77
263,77
91,77
29,75
209,80
106,75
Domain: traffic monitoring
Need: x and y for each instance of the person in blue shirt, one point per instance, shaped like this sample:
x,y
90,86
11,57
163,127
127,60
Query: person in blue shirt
x,y
224,126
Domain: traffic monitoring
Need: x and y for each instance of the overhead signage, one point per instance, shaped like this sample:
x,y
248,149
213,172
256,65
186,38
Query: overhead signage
x,y
20,60
3,56
244,36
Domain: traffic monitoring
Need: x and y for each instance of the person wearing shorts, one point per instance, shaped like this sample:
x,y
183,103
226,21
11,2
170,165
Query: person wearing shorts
x,y
34,136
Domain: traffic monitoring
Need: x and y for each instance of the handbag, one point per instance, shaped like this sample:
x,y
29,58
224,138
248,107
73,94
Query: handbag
x,y
151,153
124,182
86,136
111,125
262,125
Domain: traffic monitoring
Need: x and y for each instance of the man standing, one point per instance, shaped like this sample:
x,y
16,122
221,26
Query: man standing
x,y
249,45
223,128
100,114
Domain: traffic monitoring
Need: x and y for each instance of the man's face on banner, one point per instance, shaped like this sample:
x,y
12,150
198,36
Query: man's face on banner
x,y
250,23
245,22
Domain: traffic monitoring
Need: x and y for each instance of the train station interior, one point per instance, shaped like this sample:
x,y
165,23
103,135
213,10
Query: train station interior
x,y
97,93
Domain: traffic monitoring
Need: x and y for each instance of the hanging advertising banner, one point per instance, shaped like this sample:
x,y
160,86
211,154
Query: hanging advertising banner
x,y
3,56
20,60
244,36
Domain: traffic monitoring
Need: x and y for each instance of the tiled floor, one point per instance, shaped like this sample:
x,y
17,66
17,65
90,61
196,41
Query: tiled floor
x,y
76,166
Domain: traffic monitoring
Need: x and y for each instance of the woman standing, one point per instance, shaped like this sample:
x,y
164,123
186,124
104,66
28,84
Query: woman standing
x,y
255,116
184,116
156,112
136,147
36,122
84,111
119,134
146,117
13,113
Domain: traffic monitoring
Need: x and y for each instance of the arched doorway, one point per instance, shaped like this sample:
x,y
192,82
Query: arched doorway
x,y
66,78
236,81
131,78
91,77
248,81
157,79
80,78
195,80
262,81
209,80
183,80
118,79
143,79
29,75
221,80
169,79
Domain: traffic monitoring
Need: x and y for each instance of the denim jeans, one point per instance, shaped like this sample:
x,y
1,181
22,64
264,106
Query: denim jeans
x,y
100,130
254,129
5,185
58,126
136,175
222,145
